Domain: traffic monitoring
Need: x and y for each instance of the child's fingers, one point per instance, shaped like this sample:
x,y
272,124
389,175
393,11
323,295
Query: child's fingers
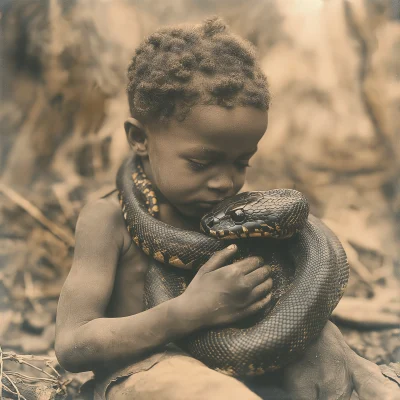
x,y
248,265
261,290
219,259
258,276
257,306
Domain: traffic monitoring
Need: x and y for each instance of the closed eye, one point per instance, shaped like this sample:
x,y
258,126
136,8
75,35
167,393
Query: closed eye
x,y
196,166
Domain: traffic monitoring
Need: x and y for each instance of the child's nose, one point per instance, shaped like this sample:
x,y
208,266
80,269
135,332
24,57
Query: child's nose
x,y
222,183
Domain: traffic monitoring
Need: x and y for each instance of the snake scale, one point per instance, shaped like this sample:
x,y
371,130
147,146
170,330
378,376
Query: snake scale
x,y
309,269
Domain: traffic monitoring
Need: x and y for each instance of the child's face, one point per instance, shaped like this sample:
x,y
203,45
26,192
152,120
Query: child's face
x,y
203,159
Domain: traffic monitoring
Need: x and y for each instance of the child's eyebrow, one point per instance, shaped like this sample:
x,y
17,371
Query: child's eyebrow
x,y
211,153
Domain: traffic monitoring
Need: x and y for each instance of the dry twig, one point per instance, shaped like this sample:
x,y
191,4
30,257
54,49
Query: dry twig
x,y
52,381
35,212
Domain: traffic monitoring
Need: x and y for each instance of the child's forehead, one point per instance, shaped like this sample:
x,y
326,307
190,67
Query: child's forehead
x,y
213,118
237,123
213,131
202,152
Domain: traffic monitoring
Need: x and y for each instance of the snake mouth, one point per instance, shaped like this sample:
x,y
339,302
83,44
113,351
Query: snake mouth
x,y
207,223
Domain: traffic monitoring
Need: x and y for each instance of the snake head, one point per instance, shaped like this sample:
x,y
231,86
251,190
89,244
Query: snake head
x,y
277,213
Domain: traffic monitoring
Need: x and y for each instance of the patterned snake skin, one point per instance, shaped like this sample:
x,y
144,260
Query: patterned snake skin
x,y
309,269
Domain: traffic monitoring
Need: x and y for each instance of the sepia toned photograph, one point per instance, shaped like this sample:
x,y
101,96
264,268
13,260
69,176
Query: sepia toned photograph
x,y
200,199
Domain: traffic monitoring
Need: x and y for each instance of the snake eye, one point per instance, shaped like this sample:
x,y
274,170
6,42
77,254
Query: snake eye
x,y
238,215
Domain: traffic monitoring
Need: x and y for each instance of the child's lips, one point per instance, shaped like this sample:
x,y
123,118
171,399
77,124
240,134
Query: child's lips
x,y
208,204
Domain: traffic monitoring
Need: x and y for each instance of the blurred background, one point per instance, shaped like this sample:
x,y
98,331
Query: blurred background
x,y
334,72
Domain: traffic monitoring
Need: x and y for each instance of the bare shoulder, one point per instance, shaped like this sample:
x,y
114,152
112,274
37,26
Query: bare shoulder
x,y
102,220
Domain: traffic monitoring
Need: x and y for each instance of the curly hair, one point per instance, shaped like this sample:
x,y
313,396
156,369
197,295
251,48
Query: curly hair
x,y
178,67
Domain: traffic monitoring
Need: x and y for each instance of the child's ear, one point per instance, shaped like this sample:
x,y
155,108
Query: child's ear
x,y
136,135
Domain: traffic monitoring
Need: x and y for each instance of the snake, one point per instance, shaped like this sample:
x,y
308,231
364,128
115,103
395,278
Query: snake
x,y
309,267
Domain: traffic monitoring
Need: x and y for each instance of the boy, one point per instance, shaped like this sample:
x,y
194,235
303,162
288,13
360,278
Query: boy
x,y
199,104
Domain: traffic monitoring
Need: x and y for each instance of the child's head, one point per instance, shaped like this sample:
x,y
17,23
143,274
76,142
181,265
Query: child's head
x,y
177,68
199,103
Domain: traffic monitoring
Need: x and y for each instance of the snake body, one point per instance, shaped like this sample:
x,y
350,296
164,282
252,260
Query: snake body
x,y
310,270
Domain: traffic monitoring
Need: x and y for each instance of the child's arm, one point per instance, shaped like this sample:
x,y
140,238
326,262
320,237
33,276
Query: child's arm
x,y
86,340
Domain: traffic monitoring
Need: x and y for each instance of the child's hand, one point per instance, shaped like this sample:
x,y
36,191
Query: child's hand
x,y
221,293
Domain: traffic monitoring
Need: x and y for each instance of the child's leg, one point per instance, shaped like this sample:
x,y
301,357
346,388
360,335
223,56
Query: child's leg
x,y
179,377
